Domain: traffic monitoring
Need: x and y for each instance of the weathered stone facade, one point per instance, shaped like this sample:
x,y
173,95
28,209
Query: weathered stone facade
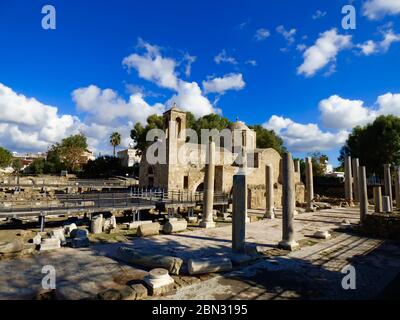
x,y
185,163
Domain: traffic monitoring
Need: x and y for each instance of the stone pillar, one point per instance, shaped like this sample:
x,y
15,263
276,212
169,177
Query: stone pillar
x,y
288,196
296,166
355,164
309,185
208,204
386,205
269,193
378,199
397,187
388,183
362,192
348,192
239,213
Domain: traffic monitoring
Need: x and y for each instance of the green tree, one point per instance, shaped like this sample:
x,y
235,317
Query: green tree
x,y
319,162
268,139
138,133
375,144
37,167
5,157
102,167
265,138
17,164
210,121
66,155
70,151
115,140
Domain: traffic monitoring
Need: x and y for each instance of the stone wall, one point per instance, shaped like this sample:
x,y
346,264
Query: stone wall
x,y
256,195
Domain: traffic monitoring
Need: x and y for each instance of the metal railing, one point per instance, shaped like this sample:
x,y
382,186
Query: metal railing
x,y
133,197
94,183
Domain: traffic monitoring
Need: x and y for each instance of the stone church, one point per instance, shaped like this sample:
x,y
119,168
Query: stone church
x,y
185,162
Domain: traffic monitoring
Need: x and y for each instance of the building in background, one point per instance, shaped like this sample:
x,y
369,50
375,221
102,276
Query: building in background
x,y
128,157
189,173
86,156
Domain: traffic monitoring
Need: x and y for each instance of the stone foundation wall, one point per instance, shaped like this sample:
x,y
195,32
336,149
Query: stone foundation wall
x,y
256,195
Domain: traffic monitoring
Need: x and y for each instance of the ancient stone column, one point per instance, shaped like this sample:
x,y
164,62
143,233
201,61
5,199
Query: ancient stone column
x,y
208,203
355,164
362,192
288,195
269,193
296,166
378,199
397,187
388,183
348,192
239,213
309,185
386,205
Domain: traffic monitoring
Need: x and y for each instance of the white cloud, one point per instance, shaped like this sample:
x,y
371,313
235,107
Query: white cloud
x,y
305,137
189,61
153,67
262,34
323,52
389,103
339,113
319,14
388,38
287,34
336,113
28,124
301,47
251,62
106,112
190,98
230,81
376,9
106,107
369,47
223,57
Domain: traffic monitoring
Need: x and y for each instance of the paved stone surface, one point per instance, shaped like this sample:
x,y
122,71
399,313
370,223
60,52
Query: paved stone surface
x,y
80,273
310,273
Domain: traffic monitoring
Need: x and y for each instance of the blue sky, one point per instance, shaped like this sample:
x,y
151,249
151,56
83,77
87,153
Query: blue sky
x,y
286,64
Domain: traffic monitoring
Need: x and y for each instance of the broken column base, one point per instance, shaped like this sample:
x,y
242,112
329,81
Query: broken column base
x,y
191,219
207,224
269,215
322,235
311,209
150,229
137,224
288,245
159,282
50,244
209,265
387,208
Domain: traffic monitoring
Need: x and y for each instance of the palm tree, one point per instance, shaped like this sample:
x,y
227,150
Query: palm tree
x,y
115,140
